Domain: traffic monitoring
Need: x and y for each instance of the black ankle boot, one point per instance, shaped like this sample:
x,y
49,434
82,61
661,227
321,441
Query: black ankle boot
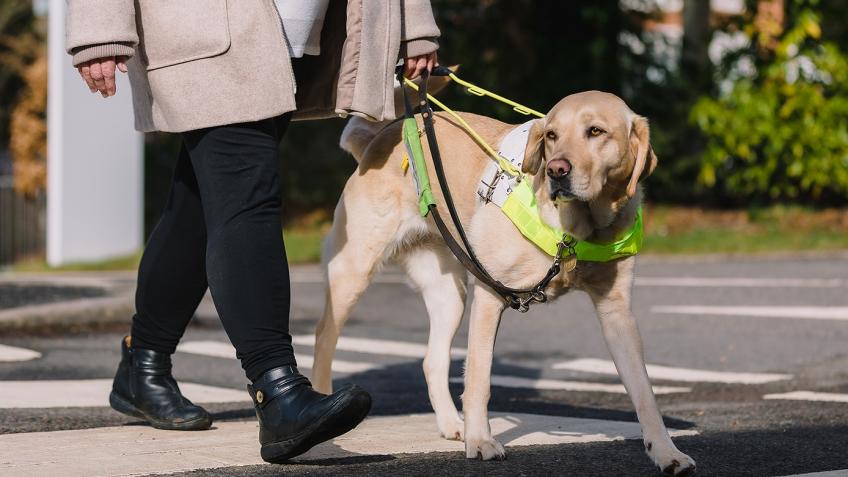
x,y
144,388
293,417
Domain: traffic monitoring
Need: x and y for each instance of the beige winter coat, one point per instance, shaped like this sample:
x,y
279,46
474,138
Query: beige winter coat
x,y
202,63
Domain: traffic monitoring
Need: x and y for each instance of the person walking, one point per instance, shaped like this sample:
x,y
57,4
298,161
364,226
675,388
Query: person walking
x,y
229,76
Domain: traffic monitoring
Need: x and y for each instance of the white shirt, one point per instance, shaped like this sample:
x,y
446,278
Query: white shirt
x,y
302,23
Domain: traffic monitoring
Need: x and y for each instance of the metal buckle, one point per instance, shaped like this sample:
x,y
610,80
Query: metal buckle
x,y
491,187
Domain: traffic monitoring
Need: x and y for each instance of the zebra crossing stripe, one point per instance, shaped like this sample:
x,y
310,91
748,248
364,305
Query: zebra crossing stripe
x,y
604,366
839,313
93,393
12,354
405,349
226,350
564,385
809,396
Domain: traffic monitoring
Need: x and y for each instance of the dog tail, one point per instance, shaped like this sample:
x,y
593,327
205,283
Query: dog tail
x,y
358,132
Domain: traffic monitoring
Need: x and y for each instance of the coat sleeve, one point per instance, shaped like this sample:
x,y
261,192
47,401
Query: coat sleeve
x,y
100,28
419,32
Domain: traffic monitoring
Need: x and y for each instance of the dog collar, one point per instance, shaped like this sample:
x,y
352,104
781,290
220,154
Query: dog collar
x,y
517,200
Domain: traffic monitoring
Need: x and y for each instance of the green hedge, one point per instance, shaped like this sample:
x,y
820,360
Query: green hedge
x,y
783,133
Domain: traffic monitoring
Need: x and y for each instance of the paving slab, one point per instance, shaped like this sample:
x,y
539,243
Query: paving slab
x,y
138,450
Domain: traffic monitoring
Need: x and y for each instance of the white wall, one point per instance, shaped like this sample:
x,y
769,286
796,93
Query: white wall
x,y
95,173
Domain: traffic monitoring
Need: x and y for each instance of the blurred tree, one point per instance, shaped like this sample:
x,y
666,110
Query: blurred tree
x,y
16,19
781,131
23,55
536,52
695,65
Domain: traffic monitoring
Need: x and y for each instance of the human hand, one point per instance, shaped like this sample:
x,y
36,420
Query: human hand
x,y
413,66
99,73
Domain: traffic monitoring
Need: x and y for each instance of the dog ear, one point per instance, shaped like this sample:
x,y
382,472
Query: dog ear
x,y
535,148
645,161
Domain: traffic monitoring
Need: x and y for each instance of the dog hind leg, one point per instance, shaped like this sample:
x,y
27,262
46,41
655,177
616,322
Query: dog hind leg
x,y
352,253
441,280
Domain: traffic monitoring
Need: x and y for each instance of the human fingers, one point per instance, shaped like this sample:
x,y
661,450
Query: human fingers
x,y
85,72
108,68
122,63
432,61
420,65
409,67
97,76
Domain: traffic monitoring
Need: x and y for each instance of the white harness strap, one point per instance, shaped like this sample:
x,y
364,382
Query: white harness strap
x,y
495,185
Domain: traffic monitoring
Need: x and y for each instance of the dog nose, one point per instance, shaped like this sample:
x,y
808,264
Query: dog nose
x,y
558,168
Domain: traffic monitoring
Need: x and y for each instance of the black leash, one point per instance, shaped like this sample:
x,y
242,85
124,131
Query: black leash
x,y
516,298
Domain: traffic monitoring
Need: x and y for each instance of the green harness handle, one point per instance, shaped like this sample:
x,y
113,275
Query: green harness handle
x,y
412,141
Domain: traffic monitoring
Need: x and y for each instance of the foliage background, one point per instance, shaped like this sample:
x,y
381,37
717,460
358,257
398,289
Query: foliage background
x,y
727,134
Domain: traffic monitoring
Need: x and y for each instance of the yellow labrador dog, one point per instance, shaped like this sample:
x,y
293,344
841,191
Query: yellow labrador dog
x,y
585,158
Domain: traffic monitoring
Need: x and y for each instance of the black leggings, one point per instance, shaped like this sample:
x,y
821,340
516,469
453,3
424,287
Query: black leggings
x,y
221,229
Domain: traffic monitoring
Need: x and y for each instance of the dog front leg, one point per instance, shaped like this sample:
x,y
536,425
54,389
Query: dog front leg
x,y
625,346
485,315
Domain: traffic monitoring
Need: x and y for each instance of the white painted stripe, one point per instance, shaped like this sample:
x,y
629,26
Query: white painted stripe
x,y
827,473
136,450
318,278
707,282
339,366
562,385
405,349
93,393
809,396
734,282
655,371
11,353
226,350
800,312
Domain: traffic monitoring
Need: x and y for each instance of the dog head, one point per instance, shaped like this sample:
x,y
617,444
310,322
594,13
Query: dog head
x,y
590,144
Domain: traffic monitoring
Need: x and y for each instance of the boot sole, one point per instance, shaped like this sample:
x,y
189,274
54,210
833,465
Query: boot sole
x,y
344,416
125,407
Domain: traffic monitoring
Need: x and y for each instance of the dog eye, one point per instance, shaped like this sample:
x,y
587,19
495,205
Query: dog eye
x,y
594,131
551,135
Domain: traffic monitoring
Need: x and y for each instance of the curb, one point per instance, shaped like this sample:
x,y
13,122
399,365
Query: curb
x,y
116,307
82,312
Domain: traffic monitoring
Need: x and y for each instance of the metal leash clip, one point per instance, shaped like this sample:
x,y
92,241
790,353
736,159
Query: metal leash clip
x,y
536,296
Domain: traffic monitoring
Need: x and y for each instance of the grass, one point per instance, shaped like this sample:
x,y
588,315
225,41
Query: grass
x,y
38,264
303,245
668,230
688,230
680,230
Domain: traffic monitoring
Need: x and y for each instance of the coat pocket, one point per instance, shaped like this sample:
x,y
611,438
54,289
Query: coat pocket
x,y
177,31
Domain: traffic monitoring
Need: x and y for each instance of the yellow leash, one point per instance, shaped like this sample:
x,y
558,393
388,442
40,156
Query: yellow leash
x,y
505,165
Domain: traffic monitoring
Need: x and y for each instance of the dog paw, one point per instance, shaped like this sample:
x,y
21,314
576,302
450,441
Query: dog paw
x,y
452,429
484,449
671,461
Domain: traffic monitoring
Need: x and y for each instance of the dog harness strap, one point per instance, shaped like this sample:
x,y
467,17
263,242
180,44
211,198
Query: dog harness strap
x,y
626,245
518,202
515,298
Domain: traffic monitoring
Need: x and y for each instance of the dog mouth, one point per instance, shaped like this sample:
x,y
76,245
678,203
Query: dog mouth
x,y
561,194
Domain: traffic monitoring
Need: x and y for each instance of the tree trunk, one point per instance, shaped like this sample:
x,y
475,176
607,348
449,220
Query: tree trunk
x,y
694,58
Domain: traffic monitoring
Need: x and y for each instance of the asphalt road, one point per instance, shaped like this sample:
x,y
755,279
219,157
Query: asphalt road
x,y
781,322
